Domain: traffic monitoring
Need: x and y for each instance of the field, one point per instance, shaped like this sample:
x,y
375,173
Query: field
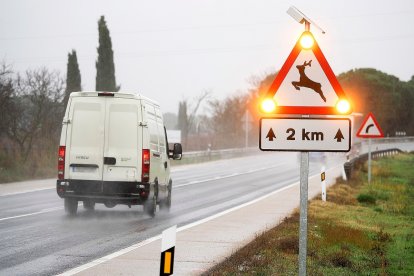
x,y
362,229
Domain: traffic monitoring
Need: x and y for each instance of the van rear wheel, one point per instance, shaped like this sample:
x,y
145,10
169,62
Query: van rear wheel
x,y
165,204
150,206
71,206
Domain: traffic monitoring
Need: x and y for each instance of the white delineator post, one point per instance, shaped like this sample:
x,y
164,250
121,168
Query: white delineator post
x,y
323,183
167,251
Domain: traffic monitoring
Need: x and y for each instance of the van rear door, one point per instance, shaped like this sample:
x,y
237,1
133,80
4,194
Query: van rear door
x,y
123,141
85,140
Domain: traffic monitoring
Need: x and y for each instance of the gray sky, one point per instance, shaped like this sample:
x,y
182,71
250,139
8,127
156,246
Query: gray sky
x,y
175,49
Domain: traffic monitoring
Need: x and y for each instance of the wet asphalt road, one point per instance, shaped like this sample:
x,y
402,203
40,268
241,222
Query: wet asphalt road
x,y
37,238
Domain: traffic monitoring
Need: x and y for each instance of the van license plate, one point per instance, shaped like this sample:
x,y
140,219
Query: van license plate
x,y
83,169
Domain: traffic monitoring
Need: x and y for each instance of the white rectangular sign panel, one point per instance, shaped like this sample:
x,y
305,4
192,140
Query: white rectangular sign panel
x,y
305,134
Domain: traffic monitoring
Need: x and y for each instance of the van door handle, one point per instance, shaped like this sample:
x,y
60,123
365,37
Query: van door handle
x,y
165,164
109,160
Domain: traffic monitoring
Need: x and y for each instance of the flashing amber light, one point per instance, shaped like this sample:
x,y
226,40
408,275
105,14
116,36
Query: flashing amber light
x,y
268,105
307,41
343,106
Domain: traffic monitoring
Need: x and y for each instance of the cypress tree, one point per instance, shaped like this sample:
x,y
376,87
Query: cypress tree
x,y
183,121
73,77
105,68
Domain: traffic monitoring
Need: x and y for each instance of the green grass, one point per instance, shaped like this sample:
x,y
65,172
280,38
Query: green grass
x,y
365,198
13,168
361,230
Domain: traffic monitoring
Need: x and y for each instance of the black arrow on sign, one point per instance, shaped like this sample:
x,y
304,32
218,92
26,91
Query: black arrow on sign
x,y
271,135
339,136
368,127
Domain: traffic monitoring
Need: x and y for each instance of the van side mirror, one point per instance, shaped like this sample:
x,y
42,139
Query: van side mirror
x,y
176,153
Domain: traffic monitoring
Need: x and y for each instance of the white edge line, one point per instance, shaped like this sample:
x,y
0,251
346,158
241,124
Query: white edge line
x,y
182,228
28,191
225,176
32,214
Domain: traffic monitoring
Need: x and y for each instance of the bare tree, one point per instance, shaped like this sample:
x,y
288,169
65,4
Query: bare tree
x,y
6,92
186,121
198,101
37,108
227,121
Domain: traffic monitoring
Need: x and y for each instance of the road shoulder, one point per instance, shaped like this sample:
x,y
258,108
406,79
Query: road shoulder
x,y
26,186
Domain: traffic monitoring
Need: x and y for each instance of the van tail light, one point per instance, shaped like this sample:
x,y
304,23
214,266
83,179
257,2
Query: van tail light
x,y
145,165
61,162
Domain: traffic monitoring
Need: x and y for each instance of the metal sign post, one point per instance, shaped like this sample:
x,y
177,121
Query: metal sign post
x,y
370,129
320,94
369,160
247,120
303,220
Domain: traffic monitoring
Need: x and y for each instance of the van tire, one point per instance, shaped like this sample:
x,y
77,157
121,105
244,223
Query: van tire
x,y
71,206
89,205
150,206
165,204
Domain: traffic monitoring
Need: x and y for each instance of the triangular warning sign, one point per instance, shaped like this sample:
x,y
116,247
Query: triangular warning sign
x,y
306,83
370,128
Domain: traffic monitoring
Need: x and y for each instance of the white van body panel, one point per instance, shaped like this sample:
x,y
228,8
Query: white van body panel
x,y
123,140
157,143
85,139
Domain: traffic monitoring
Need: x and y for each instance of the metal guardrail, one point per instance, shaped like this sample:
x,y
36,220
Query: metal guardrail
x,y
205,155
253,149
394,139
219,153
357,162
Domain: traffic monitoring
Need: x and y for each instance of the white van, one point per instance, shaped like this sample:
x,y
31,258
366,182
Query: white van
x,y
114,150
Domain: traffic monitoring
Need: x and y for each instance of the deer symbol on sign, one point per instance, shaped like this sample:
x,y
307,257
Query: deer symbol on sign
x,y
304,81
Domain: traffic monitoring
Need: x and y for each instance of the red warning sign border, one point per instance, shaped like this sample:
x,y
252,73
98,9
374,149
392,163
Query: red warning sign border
x,y
317,110
361,135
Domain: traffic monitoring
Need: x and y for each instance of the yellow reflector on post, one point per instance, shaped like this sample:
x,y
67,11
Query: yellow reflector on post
x,y
167,263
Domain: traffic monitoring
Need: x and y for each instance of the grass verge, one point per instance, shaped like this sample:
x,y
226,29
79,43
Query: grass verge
x,y
363,229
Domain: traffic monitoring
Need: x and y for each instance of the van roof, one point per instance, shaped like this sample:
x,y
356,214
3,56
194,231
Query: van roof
x,y
125,95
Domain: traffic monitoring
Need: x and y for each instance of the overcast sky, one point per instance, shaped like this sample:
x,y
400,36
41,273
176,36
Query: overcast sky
x,y
175,49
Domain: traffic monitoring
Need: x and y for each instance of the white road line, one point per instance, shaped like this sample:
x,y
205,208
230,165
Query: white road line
x,y
35,213
224,176
182,228
28,191
178,186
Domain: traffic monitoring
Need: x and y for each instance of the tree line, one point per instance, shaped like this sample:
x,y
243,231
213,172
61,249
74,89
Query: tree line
x,y
369,90
32,105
